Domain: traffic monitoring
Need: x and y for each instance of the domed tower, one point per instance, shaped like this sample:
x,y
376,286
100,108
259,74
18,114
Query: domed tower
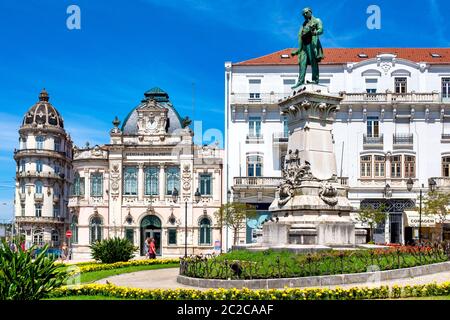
x,y
44,170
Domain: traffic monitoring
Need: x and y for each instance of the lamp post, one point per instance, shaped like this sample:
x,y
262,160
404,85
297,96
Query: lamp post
x,y
197,197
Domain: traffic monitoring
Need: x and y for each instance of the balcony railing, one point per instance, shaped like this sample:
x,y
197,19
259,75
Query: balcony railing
x,y
392,97
370,140
280,137
40,219
254,138
258,181
38,196
247,98
386,97
269,181
403,138
445,136
442,182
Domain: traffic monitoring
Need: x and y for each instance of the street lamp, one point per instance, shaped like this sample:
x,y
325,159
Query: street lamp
x,y
197,198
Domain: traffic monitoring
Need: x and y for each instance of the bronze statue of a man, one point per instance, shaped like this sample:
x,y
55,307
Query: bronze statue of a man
x,y
310,50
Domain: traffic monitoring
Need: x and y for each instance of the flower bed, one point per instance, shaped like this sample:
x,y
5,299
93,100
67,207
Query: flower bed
x,y
273,264
383,292
88,267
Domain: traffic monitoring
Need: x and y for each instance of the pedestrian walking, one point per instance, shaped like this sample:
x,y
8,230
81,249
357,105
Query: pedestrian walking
x,y
152,249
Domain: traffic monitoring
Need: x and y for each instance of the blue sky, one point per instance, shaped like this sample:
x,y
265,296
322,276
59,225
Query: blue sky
x,y
127,47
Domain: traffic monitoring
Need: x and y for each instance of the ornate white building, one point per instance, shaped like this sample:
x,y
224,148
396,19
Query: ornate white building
x,y
393,125
125,188
44,166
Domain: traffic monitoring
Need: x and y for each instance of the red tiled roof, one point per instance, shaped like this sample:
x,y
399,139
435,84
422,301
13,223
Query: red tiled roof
x,y
344,55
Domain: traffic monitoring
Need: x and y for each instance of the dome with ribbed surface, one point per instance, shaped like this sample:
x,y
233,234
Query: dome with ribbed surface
x,y
43,113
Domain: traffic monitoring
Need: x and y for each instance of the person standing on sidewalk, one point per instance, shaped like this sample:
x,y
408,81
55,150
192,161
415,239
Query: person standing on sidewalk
x,y
152,249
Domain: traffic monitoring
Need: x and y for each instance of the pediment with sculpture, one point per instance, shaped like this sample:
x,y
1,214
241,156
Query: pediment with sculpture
x,y
152,119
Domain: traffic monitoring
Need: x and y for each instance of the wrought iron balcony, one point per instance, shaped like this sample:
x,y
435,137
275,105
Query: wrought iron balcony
x,y
254,138
403,139
373,140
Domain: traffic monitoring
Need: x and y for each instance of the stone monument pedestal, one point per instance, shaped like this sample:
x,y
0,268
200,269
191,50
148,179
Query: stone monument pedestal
x,y
311,206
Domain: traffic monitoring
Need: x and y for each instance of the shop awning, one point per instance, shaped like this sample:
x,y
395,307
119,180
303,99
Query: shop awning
x,y
413,219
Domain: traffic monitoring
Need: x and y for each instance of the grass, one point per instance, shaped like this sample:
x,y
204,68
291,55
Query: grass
x,y
92,276
428,298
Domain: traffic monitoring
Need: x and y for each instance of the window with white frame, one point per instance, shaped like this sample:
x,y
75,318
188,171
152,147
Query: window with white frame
x,y
130,181
55,237
38,237
410,166
22,165
445,88
401,84
23,143
40,142
254,127
22,187
56,211
57,142
74,229
38,210
366,166
151,176
254,166
38,187
373,127
78,185
396,166
379,166
96,184
172,179
22,209
205,184
254,86
38,165
285,127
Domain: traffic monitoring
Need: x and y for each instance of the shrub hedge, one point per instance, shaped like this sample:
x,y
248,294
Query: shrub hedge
x,y
93,266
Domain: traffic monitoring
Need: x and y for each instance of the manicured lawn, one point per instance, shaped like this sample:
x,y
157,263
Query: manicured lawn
x,y
92,276
428,298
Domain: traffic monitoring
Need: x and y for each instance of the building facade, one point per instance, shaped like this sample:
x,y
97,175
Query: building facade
x,y
126,188
393,125
43,175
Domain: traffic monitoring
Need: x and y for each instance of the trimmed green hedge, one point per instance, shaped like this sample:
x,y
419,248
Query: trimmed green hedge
x,y
93,266
357,293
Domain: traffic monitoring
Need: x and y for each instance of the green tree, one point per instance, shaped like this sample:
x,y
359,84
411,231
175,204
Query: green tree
x,y
437,203
234,215
372,217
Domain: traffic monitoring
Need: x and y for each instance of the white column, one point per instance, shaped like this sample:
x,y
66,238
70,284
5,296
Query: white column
x,y
141,182
87,185
162,182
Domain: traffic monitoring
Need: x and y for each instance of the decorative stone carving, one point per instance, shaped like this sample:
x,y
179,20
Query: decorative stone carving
x,y
187,177
152,119
328,194
115,179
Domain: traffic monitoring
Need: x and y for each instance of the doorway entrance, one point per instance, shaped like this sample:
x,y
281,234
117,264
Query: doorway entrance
x,y
151,228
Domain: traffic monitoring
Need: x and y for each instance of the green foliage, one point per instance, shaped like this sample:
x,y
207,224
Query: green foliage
x,y
372,217
243,264
437,203
113,250
22,278
235,215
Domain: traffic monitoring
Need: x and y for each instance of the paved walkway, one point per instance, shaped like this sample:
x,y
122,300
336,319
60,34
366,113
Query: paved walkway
x,y
166,279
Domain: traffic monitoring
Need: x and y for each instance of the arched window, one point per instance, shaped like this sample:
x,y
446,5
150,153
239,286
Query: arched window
x,y
96,184
172,179
95,228
57,144
151,181
74,229
40,142
254,166
130,181
78,185
205,232
38,237
38,187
